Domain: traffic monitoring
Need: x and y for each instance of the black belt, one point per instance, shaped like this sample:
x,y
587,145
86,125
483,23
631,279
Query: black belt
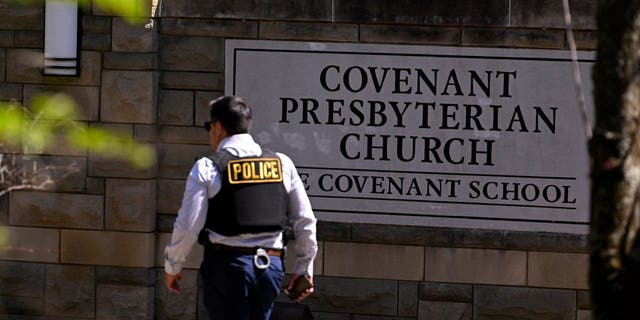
x,y
248,250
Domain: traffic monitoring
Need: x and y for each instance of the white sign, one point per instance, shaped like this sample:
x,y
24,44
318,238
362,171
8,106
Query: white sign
x,y
421,135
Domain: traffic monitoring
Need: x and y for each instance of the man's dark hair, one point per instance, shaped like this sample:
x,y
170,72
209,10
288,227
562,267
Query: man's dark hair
x,y
233,114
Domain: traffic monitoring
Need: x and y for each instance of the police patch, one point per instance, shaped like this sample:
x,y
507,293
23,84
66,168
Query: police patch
x,y
254,170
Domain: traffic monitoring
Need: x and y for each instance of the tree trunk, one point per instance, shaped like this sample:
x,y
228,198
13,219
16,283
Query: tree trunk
x,y
615,152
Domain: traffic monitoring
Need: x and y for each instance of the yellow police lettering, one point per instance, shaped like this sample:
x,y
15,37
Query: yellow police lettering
x,y
274,172
237,168
254,170
267,170
246,171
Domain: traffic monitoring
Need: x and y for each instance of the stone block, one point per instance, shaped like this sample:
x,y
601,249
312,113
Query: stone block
x,y
45,209
558,270
125,249
366,317
95,185
584,300
147,133
176,160
465,12
125,276
4,210
407,299
21,16
496,302
130,205
125,302
538,241
29,39
191,80
209,28
344,259
358,296
62,174
173,306
96,42
128,37
485,239
87,98
333,231
309,31
585,40
30,244
550,14
130,61
21,279
290,260
408,235
484,266
578,243
170,195
182,53
183,135
584,315
519,38
70,291
9,91
3,64
6,39
96,24
164,222
101,167
451,292
27,306
334,316
25,66
128,96
194,259
252,9
202,105
175,107
409,34
444,310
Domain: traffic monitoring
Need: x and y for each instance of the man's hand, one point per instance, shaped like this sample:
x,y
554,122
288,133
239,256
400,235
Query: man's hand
x,y
172,281
304,293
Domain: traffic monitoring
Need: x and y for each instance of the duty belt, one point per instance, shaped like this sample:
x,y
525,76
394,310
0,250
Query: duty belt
x,y
247,250
261,258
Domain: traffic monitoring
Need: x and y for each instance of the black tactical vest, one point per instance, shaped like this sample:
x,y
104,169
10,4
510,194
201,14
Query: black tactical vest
x,y
252,198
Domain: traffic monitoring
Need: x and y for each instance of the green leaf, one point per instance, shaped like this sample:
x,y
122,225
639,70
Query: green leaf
x,y
12,123
38,136
134,11
55,107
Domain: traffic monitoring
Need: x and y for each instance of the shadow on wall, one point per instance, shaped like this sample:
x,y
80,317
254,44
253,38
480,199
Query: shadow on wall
x,y
291,311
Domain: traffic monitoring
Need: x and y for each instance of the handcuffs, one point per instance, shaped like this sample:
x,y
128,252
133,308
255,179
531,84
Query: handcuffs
x,y
260,256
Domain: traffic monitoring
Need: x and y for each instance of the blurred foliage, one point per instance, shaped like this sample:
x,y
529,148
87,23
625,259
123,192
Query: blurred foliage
x,y
134,11
50,118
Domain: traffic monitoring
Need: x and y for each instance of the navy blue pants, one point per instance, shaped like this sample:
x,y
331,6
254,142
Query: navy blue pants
x,y
234,289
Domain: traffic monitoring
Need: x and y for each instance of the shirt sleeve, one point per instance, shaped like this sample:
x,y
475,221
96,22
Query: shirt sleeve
x,y
302,220
191,216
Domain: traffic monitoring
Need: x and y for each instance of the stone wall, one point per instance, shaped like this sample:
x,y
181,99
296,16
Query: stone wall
x,y
92,249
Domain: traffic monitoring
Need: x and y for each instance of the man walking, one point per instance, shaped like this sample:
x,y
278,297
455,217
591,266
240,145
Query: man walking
x,y
237,203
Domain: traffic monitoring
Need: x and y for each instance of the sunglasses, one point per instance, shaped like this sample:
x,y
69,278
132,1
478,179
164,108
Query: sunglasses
x,y
207,125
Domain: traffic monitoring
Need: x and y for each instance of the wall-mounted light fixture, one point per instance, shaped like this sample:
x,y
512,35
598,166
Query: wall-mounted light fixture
x,y
61,38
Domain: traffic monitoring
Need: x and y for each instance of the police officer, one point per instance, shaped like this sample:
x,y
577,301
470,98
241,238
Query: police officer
x,y
236,203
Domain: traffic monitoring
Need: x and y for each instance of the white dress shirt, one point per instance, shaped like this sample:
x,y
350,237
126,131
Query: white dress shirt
x,y
204,183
